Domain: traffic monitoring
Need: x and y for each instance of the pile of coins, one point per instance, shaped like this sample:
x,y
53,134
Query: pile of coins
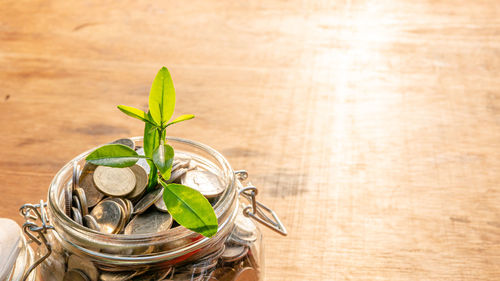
x,y
115,201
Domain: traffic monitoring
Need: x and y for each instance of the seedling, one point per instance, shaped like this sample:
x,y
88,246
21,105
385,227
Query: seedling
x,y
186,205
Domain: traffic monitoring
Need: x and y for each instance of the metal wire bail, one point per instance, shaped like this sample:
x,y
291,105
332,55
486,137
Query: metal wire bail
x,y
35,232
257,210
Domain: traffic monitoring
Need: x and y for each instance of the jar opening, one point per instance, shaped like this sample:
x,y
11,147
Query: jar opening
x,y
160,246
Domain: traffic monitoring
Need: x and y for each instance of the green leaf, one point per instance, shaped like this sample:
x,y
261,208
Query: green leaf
x,y
181,118
151,139
136,113
153,176
114,155
162,97
163,157
190,208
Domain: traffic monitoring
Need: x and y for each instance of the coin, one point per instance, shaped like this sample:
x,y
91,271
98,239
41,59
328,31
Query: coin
x,y
130,206
68,196
149,222
142,162
84,265
127,142
108,215
234,253
86,182
245,231
117,276
91,223
207,183
160,205
180,163
175,175
114,181
148,200
76,203
126,212
224,273
75,275
77,216
247,274
83,200
141,181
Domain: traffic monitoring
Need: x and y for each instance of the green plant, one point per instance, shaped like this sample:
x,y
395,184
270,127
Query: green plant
x,y
186,205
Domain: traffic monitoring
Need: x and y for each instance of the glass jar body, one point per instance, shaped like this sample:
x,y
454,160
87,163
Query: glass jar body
x,y
176,254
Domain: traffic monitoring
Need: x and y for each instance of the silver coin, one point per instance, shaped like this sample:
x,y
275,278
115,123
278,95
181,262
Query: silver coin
x,y
180,163
68,197
130,206
114,181
76,203
245,231
108,215
117,276
234,253
75,275
148,200
84,265
177,174
83,200
91,223
160,205
142,162
149,222
126,212
127,142
86,182
207,183
141,181
76,215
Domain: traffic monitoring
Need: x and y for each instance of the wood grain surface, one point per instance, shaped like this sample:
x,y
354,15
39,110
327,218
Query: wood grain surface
x,y
371,127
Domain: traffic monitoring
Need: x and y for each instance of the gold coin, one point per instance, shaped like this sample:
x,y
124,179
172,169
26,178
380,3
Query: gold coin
x,y
75,275
80,194
141,181
86,182
84,265
148,200
149,222
77,216
108,215
114,181
207,183
91,223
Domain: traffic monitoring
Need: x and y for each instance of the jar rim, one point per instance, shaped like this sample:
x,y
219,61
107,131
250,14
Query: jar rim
x,y
226,200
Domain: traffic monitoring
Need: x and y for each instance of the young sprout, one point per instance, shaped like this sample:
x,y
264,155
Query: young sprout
x,y
186,205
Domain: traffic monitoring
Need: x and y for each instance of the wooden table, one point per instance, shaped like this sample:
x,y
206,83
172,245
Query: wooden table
x,y
371,127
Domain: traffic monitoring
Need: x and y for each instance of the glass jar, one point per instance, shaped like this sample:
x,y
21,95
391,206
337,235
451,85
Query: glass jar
x,y
15,253
234,253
